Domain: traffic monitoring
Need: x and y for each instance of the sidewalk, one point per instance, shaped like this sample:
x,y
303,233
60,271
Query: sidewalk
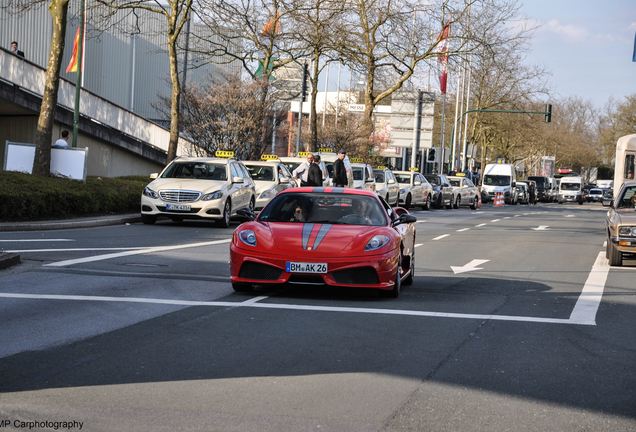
x,y
84,222
10,259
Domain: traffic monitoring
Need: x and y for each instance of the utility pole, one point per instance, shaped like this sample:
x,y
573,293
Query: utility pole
x,y
417,124
303,96
80,71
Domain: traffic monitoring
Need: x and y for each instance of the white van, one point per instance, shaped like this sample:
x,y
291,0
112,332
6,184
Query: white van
x,y
571,190
500,178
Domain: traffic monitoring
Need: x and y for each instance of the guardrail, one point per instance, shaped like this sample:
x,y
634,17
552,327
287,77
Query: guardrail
x,y
31,77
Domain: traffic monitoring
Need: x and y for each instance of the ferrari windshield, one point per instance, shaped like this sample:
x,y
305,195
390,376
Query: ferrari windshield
x,y
324,208
196,170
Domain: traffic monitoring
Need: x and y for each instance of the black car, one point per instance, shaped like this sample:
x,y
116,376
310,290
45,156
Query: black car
x,y
442,190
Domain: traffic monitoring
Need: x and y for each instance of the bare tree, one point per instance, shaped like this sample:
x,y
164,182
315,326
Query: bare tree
x,y
225,116
44,131
319,26
176,13
257,34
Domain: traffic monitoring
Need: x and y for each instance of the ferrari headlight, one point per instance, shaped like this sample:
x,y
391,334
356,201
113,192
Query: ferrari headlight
x,y
150,193
376,243
212,196
268,194
248,237
629,231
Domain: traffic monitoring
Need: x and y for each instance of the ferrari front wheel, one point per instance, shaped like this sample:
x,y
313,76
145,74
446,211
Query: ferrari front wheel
x,y
397,284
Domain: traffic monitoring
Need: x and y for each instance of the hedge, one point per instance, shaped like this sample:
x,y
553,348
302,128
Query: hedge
x,y
26,197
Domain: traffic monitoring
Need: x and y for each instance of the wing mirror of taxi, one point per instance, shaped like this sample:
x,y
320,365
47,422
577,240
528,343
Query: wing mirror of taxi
x,y
245,215
238,180
405,218
417,182
153,176
608,203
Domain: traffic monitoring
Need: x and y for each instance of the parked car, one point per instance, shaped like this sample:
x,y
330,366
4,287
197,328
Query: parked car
x,y
621,224
321,236
363,177
270,177
443,195
199,188
415,190
386,185
523,195
595,195
467,192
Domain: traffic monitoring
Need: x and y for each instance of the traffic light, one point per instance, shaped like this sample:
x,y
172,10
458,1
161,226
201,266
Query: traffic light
x,y
305,76
431,155
548,113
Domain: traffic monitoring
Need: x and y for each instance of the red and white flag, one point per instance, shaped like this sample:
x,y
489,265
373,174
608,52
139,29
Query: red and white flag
x,y
442,41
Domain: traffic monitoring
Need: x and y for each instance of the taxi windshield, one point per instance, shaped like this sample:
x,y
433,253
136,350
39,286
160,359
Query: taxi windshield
x,y
358,173
261,172
196,170
324,208
455,182
403,178
379,176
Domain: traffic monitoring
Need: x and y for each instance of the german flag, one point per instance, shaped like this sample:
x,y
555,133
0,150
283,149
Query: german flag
x,y
72,65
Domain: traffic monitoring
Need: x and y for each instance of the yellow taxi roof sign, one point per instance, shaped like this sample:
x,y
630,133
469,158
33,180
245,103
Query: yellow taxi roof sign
x,y
357,160
268,157
224,153
304,154
326,150
460,174
381,167
414,169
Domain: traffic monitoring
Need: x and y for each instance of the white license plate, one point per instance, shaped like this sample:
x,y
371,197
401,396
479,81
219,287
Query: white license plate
x,y
301,267
178,207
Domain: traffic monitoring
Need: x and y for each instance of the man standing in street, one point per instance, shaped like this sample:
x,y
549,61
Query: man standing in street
x,y
339,170
302,170
314,176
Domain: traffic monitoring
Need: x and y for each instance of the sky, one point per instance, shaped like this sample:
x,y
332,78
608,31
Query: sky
x,y
586,46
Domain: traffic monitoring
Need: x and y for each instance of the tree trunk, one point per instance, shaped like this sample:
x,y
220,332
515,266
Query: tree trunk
x,y
265,120
43,134
175,97
314,93
364,140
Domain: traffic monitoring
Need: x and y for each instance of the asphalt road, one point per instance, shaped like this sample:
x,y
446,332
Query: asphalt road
x,y
136,328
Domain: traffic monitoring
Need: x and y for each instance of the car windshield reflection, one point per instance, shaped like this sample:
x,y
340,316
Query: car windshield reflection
x,y
325,208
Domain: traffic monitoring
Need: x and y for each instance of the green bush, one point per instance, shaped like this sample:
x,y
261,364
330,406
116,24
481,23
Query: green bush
x,y
27,197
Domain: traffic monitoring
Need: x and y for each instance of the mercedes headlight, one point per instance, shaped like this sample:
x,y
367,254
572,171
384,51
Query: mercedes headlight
x,y
212,196
150,193
629,231
268,194
248,237
377,242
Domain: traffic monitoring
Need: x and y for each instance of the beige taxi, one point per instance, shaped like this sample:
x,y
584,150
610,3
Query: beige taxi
x,y
199,188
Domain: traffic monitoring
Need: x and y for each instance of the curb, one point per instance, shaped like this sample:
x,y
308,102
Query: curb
x,y
8,260
70,223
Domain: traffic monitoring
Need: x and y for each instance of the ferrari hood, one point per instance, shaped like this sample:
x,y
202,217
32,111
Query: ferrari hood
x,y
313,240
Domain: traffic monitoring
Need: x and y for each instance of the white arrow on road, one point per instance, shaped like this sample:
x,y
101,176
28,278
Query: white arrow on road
x,y
471,266
541,228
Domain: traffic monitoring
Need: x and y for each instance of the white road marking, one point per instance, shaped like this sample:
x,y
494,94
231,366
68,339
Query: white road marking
x,y
495,220
471,266
463,229
586,307
605,244
517,215
73,249
541,228
134,252
441,237
507,217
419,244
421,221
254,300
570,216
480,225
36,240
252,304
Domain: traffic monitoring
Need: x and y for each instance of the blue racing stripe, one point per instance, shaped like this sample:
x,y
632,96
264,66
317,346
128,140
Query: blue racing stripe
x,y
307,228
322,232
